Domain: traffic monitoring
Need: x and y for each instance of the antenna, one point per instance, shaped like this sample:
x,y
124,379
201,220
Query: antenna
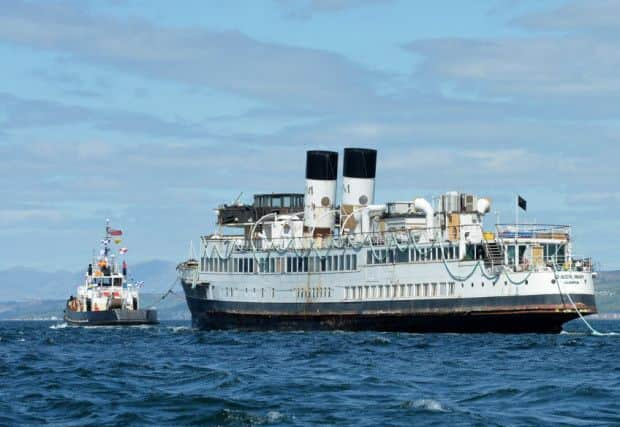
x,y
237,199
192,254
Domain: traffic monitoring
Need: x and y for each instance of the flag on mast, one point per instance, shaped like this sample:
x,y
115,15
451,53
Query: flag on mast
x,y
115,232
122,251
522,203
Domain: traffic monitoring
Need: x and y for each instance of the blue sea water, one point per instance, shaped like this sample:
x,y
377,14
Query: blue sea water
x,y
173,375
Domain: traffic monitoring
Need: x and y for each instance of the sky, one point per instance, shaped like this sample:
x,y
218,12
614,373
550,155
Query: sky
x,y
152,113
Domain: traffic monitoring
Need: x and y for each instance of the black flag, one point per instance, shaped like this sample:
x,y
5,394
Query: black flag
x,y
522,203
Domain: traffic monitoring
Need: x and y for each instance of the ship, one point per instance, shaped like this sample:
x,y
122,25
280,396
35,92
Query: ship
x,y
305,261
107,297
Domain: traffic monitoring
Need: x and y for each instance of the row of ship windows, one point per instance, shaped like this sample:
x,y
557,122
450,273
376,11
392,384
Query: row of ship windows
x,y
399,291
315,264
271,292
305,264
390,256
264,292
313,292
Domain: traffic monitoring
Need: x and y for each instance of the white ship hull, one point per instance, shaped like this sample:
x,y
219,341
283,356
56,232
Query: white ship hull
x,y
396,297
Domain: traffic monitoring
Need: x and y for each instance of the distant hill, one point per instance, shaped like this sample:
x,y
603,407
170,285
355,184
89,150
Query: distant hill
x,y
609,277
608,292
18,284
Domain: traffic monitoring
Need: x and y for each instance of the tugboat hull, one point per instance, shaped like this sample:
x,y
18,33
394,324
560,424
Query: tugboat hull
x,y
111,317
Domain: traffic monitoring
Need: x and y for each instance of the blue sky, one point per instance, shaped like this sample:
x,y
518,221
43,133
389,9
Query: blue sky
x,y
152,114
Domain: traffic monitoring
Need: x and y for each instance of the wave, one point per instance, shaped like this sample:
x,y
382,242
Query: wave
x,y
175,375
430,405
178,329
62,325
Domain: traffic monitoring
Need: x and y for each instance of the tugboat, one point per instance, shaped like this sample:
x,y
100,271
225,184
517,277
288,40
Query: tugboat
x,y
107,298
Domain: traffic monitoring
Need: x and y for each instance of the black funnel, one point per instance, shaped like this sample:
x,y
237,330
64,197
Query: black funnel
x,y
360,163
322,165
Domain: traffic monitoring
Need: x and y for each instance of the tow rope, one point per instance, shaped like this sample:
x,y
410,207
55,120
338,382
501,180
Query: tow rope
x,y
592,330
168,292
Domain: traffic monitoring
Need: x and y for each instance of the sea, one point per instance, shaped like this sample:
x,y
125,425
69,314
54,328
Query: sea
x,y
171,374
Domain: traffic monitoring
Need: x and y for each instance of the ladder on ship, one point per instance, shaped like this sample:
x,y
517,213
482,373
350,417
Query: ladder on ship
x,y
494,256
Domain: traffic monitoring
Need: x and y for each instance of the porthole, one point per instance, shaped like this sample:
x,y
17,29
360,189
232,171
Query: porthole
x,y
526,282
553,281
462,285
482,284
505,283
325,201
472,284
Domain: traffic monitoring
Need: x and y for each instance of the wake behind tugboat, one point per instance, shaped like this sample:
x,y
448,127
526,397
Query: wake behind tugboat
x,y
303,261
107,297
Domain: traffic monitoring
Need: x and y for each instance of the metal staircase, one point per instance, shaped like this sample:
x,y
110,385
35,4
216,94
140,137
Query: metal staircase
x,y
494,255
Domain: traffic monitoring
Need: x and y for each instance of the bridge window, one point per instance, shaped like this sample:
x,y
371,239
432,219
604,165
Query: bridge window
x,y
555,253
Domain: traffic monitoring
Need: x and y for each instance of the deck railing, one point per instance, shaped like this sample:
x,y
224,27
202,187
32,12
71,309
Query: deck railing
x,y
349,240
533,231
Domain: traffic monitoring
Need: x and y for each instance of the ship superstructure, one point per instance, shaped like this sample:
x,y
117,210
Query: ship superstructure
x,y
305,261
107,297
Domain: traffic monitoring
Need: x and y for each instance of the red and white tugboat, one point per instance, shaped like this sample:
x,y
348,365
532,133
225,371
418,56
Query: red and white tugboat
x,y
107,297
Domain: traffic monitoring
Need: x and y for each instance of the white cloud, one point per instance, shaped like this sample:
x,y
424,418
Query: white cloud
x,y
15,217
580,15
306,9
227,61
